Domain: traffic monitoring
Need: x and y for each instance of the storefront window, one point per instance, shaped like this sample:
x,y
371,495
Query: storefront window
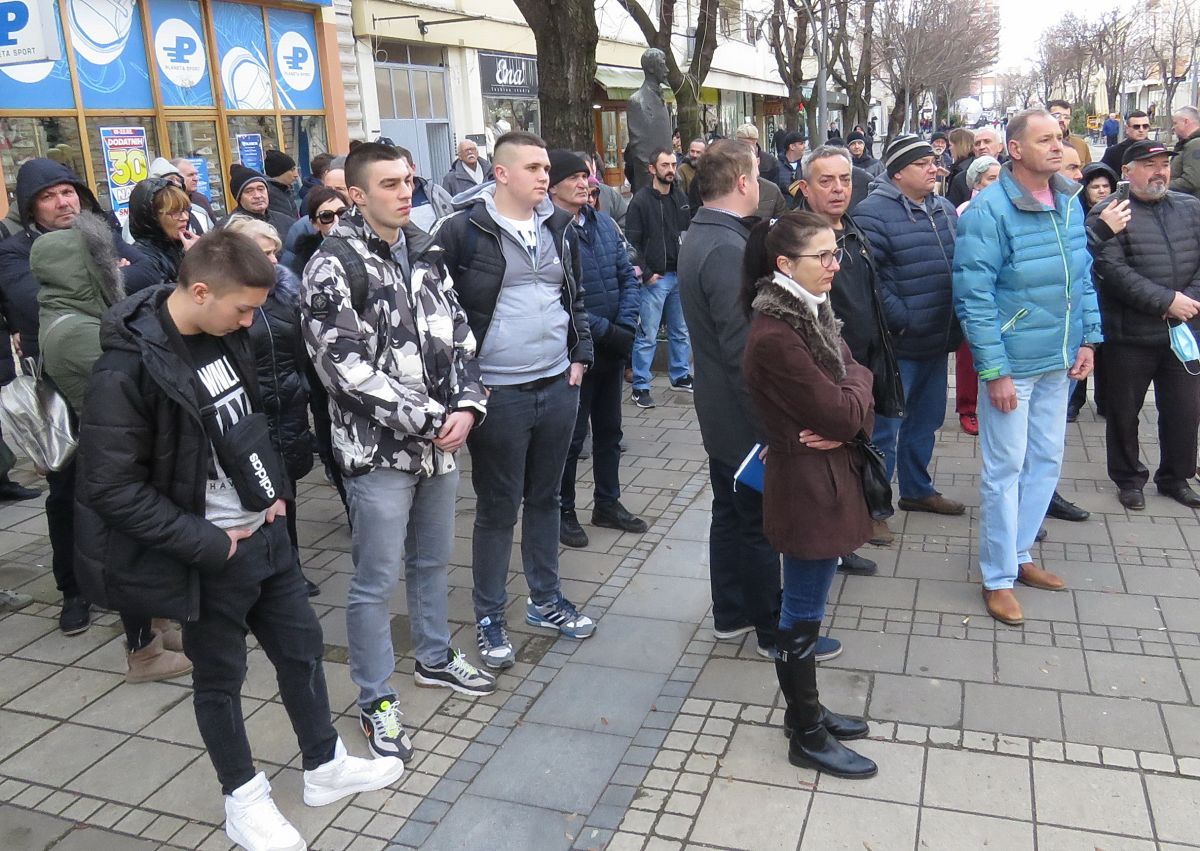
x,y
305,136
516,115
197,140
92,128
25,138
263,125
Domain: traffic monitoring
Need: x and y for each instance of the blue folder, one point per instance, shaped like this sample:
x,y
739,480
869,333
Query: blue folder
x,y
751,471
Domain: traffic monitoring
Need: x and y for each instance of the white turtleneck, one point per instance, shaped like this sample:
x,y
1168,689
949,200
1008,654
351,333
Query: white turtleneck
x,y
812,301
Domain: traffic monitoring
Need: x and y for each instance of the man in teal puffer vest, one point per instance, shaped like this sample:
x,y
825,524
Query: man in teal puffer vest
x,y
1023,293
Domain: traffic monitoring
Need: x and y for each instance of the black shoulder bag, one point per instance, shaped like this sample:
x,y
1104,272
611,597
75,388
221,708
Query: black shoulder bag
x,y
877,487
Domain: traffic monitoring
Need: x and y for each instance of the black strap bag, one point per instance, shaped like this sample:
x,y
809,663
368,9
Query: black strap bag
x,y
248,458
877,487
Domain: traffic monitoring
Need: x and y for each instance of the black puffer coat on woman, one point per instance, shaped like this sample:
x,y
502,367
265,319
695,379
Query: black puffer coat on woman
x,y
148,237
281,360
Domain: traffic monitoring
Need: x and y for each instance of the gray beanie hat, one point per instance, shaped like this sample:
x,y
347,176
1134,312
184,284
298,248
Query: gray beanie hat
x,y
976,169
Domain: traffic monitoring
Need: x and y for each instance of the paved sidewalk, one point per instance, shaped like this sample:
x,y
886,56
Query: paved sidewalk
x,y
1078,731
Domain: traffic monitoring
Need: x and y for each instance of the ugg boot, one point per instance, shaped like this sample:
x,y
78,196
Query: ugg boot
x,y
811,745
153,662
840,727
172,635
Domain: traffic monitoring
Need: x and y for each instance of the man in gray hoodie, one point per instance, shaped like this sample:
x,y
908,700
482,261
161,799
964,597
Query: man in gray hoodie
x,y
515,265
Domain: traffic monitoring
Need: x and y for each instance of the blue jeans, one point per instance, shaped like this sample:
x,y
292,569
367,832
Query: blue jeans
x,y
1022,456
907,443
805,589
658,300
517,457
398,519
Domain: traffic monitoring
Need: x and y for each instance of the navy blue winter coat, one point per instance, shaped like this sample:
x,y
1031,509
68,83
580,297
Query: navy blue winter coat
x,y
610,284
913,248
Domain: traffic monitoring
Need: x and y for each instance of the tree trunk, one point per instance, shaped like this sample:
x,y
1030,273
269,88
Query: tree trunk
x,y
691,114
791,109
566,35
898,113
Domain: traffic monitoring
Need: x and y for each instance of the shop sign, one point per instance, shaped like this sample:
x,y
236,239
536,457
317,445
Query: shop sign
x,y
28,32
242,48
110,53
505,76
180,52
203,185
126,161
250,151
297,73
37,85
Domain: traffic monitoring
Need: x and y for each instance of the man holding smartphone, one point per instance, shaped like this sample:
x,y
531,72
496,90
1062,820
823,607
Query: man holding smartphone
x,y
1149,276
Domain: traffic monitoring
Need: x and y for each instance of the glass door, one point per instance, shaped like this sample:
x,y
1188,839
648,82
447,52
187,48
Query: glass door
x,y
198,141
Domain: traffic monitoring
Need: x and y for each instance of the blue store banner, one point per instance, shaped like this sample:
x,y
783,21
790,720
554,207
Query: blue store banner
x,y
38,85
110,53
242,49
181,53
126,161
250,151
203,186
297,72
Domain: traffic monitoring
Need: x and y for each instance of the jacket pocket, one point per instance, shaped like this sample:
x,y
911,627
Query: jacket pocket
x,y
1012,323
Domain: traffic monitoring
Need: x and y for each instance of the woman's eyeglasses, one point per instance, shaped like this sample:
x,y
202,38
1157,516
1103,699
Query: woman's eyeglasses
x,y
828,258
328,217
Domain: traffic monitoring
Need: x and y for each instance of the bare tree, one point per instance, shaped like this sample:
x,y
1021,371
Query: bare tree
x,y
787,32
1167,31
566,36
852,54
1110,36
685,83
930,45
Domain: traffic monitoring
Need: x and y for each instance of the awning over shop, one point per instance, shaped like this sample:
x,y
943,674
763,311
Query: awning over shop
x,y
620,83
739,83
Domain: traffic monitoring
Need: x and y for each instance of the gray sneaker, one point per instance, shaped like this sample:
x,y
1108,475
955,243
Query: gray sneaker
x,y
494,647
11,601
457,673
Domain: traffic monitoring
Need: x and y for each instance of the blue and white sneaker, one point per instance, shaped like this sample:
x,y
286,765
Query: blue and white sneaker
x,y
827,648
494,647
560,614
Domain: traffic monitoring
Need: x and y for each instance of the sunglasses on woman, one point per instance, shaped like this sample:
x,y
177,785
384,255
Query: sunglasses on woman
x,y
328,217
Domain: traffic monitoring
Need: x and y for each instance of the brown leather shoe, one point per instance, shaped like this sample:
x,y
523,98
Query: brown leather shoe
x,y
1033,576
935,504
1003,606
881,535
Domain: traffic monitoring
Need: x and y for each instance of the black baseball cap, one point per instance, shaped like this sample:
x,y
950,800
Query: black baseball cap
x,y
1145,149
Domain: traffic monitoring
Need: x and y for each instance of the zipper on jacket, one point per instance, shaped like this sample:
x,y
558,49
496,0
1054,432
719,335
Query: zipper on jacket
x,y
1017,317
275,374
949,266
1062,249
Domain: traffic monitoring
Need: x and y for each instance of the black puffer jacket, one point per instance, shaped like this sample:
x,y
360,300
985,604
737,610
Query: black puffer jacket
x,y
282,360
141,537
165,254
1140,270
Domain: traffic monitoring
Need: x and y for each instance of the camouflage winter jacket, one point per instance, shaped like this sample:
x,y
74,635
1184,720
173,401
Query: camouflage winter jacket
x,y
394,373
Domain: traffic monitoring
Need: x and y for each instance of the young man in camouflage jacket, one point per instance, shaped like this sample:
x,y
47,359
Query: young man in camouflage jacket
x,y
393,349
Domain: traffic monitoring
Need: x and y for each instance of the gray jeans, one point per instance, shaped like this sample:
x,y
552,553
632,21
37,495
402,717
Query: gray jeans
x,y
517,455
381,503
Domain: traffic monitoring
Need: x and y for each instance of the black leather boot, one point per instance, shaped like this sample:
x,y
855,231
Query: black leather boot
x,y
812,744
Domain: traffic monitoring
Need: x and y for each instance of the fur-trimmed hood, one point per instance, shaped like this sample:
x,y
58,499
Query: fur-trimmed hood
x,y
822,333
77,267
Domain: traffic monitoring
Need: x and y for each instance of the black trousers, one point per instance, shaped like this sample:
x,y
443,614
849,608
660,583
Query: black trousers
x,y
743,568
1131,370
260,591
60,520
599,403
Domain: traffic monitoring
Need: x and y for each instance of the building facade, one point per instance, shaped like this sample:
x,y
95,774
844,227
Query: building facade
x,y
217,81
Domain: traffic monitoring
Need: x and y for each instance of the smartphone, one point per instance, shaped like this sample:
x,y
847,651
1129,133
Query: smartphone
x,y
1122,191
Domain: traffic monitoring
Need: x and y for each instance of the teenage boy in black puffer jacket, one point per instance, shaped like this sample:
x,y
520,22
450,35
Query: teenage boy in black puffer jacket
x,y
168,532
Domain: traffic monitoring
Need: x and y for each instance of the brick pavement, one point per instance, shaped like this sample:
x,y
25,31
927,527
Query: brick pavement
x,y
1078,731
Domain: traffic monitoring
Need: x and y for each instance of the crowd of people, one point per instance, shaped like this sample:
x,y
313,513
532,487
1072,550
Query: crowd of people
x,y
383,322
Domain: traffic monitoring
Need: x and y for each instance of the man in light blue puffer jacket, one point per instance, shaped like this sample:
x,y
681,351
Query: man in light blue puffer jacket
x,y
1023,293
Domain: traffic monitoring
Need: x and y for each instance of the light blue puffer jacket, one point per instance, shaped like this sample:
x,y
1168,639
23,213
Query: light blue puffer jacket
x,y
1023,280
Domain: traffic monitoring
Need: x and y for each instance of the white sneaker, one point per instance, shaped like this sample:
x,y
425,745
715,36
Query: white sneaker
x,y
253,821
348,775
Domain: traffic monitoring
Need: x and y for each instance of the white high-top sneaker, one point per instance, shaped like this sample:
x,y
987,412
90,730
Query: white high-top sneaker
x,y
348,775
254,822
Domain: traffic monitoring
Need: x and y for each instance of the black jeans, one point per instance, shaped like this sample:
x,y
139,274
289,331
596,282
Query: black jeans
x,y
742,566
260,591
60,519
1177,395
599,402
